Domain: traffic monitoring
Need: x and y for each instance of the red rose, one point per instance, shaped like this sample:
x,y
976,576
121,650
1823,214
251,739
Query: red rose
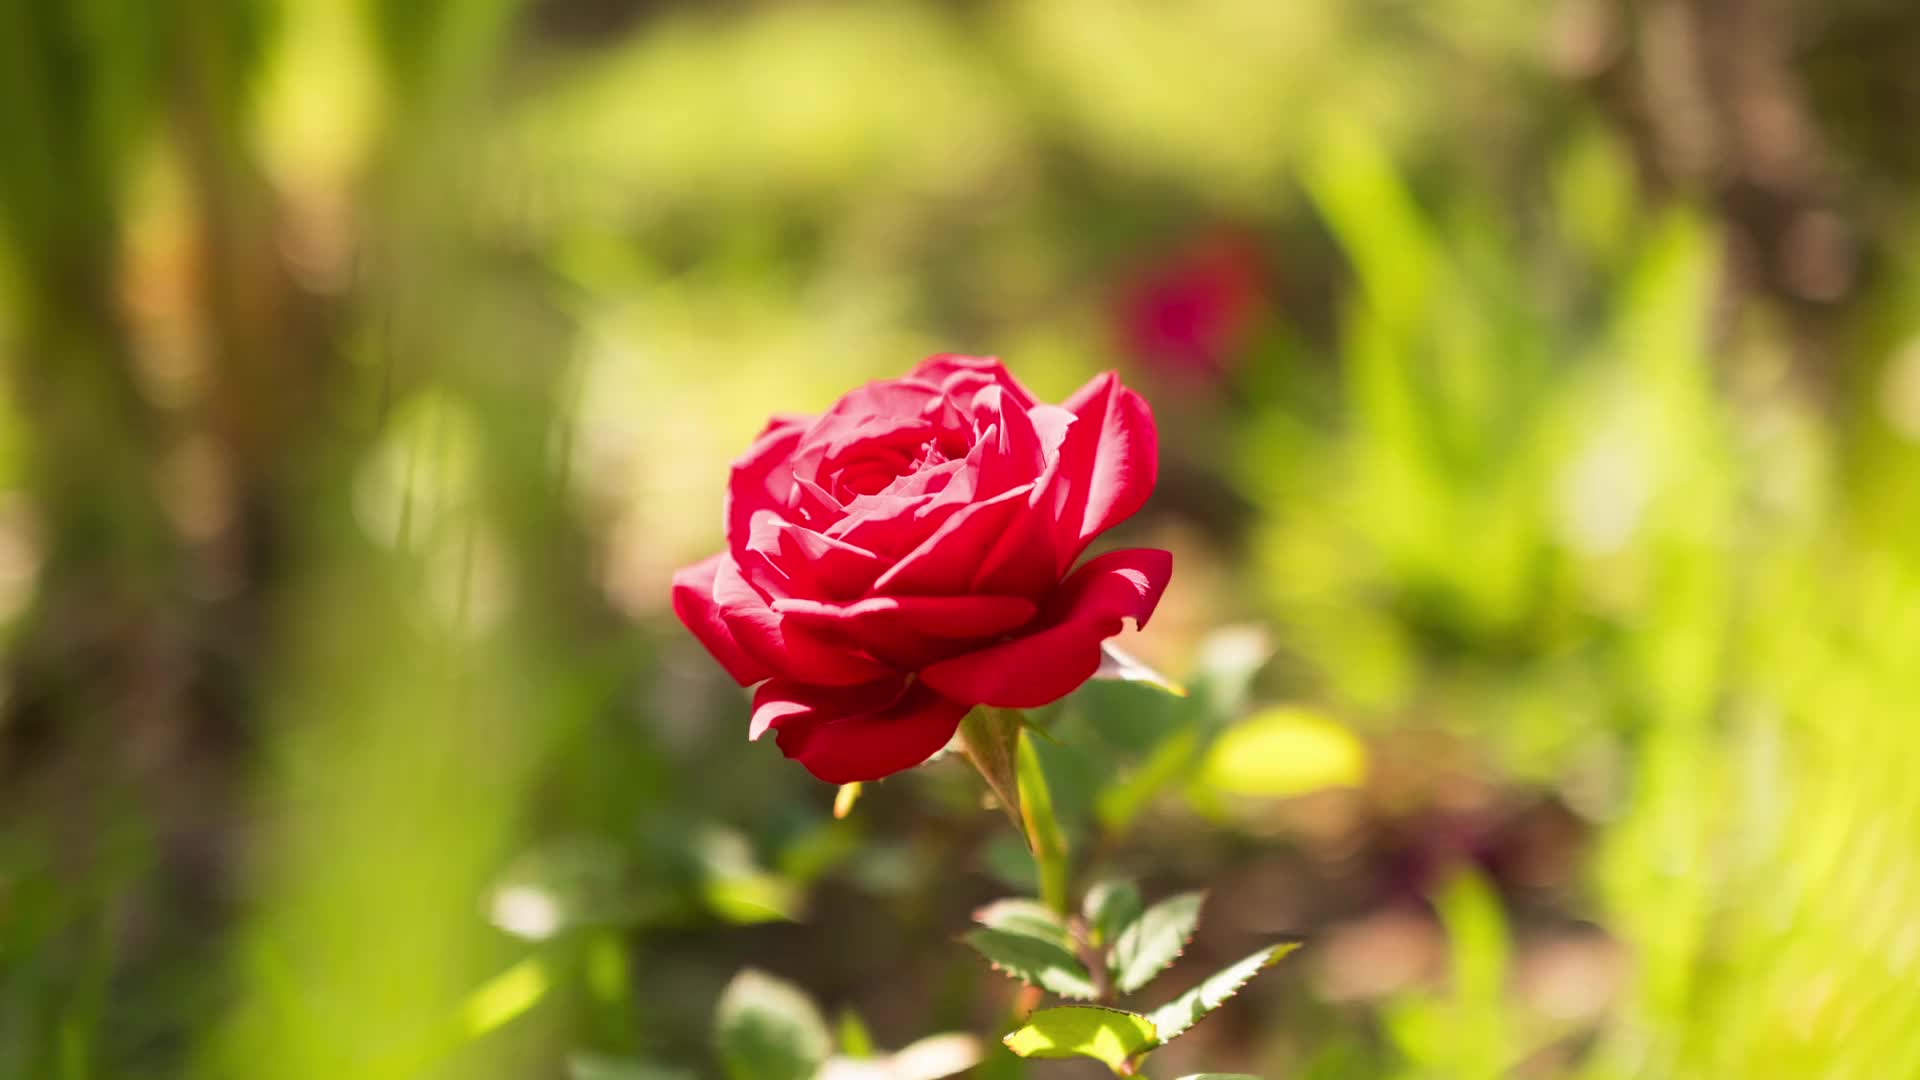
x,y
910,554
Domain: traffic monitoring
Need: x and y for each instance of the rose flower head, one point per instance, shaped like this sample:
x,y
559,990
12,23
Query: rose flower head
x,y
911,553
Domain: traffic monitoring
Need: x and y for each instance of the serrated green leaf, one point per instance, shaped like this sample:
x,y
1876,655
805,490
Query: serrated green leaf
x,y
1110,907
1154,941
768,1029
1109,1035
1036,961
1175,1017
1018,915
1284,751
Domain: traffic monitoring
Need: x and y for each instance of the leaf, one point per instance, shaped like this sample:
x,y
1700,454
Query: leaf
x,y
1110,907
1030,918
1155,941
768,1029
1175,1017
1109,1035
1033,960
1284,751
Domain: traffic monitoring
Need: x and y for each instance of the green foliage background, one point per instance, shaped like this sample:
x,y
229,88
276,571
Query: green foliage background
x,y
1546,519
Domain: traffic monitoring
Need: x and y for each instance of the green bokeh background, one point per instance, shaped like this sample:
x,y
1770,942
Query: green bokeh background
x,y
1544,489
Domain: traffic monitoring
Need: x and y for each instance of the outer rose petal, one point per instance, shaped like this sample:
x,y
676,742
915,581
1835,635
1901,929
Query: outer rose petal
x,y
935,616
1109,462
960,376
853,733
762,478
794,651
910,632
1051,663
693,602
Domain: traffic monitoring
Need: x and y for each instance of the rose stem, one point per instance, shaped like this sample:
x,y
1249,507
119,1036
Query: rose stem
x,y
1044,835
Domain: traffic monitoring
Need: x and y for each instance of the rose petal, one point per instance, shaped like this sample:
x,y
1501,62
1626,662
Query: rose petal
x,y
935,616
793,651
1052,662
889,525
762,478
944,563
962,376
814,505
932,479
1007,451
841,443
910,632
1108,463
693,602
856,733
784,559
1021,560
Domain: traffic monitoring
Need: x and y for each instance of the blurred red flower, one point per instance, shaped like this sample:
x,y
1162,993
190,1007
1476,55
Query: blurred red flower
x,y
1190,312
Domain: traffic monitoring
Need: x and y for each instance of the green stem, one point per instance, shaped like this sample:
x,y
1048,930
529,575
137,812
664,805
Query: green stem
x,y
999,742
1044,835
